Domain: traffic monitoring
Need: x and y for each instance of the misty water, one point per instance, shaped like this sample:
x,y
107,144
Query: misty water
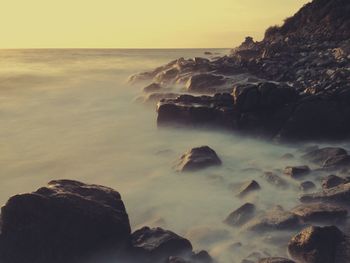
x,y
71,114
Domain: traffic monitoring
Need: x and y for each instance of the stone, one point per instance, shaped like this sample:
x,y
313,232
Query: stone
x,y
152,87
332,181
197,159
319,156
316,244
275,260
337,194
337,162
204,82
307,186
66,221
275,180
297,172
320,213
248,187
241,215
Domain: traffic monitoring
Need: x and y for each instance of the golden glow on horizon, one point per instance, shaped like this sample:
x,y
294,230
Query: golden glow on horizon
x,y
137,23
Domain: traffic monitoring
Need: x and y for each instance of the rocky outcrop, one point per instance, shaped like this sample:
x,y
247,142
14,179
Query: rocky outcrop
x,y
319,156
316,245
197,159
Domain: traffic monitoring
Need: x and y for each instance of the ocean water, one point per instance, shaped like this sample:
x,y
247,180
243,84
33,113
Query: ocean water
x,y
70,114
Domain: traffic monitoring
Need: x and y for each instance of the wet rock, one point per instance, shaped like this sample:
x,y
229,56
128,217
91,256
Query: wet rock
x,y
248,187
316,245
204,82
332,181
337,162
158,245
296,172
275,260
241,215
307,186
337,194
197,159
274,219
320,212
152,87
66,221
275,180
319,156
157,96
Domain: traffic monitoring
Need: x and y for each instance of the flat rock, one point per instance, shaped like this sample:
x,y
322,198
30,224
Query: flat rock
x,y
337,194
63,222
297,172
320,212
319,156
241,215
197,159
316,245
332,181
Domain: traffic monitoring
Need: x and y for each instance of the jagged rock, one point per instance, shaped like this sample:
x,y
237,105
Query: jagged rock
x,y
307,186
275,260
316,244
319,156
66,221
248,187
241,215
297,172
197,159
152,87
275,180
274,219
158,245
337,194
320,212
332,181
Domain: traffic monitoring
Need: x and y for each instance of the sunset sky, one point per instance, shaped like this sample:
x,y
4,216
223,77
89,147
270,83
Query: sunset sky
x,y
137,23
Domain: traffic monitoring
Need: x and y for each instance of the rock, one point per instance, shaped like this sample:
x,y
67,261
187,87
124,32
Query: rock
x,y
275,260
248,187
157,96
197,159
337,194
158,245
332,181
66,221
307,186
273,219
241,215
202,257
275,180
204,82
319,156
320,212
316,245
152,87
207,235
296,172
287,156
337,162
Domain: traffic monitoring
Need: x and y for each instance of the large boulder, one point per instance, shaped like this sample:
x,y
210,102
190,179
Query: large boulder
x,y
316,245
198,158
241,215
157,245
66,221
319,156
332,180
297,172
338,194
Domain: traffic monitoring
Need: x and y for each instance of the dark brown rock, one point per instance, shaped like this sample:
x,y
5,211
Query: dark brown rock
x,y
197,159
316,245
248,187
241,215
307,186
337,162
319,156
320,212
332,181
337,194
297,172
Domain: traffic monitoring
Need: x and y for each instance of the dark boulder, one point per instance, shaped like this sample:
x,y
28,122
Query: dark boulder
x,y
319,156
66,221
332,181
157,245
241,215
197,159
320,212
297,172
307,186
337,162
316,245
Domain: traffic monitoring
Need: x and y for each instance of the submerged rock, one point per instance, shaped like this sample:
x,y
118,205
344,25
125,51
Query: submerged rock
x,y
307,186
241,215
316,245
197,159
63,222
320,212
248,187
338,194
297,172
275,180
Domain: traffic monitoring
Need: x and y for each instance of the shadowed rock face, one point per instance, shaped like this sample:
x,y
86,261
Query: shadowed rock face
x,y
63,222
316,245
197,159
240,215
338,194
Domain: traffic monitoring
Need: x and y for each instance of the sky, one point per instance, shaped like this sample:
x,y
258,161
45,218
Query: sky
x,y
138,23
